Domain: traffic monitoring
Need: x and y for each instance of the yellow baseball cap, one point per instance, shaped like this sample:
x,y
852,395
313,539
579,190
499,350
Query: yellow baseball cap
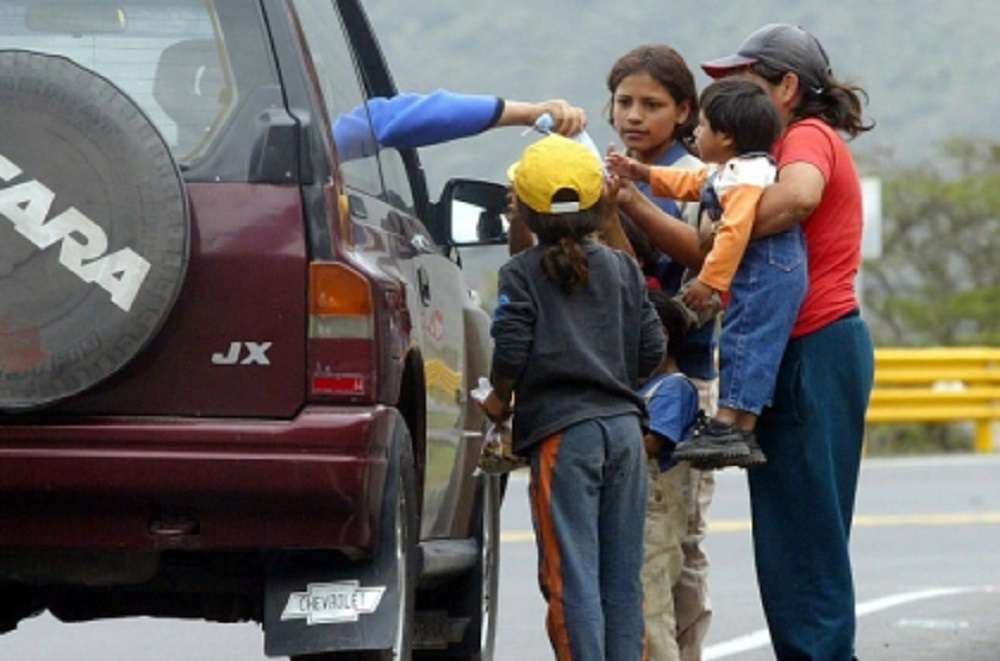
x,y
554,163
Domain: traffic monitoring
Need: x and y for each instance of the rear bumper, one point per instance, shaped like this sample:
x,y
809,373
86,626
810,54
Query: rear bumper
x,y
312,482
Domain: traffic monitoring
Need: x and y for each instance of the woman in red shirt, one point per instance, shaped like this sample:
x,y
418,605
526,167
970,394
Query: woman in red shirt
x,y
803,498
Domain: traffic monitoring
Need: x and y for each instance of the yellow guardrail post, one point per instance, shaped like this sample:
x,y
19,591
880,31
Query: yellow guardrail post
x,y
984,436
939,385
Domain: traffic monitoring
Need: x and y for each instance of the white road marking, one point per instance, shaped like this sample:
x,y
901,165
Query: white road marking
x,y
933,625
761,638
520,476
932,461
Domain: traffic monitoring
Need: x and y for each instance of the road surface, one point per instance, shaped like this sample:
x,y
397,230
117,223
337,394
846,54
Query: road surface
x,y
926,551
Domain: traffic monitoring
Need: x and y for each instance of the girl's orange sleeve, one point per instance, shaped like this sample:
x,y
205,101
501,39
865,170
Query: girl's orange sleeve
x,y
677,183
739,206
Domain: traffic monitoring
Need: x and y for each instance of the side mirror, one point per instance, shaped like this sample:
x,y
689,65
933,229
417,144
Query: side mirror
x,y
473,213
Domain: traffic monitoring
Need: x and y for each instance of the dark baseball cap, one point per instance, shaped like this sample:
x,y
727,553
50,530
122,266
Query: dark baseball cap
x,y
780,45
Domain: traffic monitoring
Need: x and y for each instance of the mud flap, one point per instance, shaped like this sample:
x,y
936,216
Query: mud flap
x,y
320,602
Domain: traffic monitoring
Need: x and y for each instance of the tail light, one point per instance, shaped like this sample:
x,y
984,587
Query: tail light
x,y
342,338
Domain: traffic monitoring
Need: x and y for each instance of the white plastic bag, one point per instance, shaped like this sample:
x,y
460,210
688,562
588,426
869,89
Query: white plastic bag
x,y
497,454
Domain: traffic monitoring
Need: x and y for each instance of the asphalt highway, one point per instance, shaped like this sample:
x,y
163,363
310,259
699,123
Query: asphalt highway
x,y
926,551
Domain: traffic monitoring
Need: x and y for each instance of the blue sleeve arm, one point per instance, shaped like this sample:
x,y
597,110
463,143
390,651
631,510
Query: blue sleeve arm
x,y
353,136
416,120
413,120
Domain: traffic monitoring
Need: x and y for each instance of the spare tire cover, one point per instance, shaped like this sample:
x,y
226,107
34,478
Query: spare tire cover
x,y
94,229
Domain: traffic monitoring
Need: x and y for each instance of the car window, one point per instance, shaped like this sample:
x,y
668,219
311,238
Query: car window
x,y
171,57
343,94
397,184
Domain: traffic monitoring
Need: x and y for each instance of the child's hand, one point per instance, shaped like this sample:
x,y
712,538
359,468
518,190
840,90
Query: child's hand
x,y
698,296
625,192
611,187
495,408
625,167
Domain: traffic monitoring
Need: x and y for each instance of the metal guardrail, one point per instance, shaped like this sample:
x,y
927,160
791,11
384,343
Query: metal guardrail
x,y
938,385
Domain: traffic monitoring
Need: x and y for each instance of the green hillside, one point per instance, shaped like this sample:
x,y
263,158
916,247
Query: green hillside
x,y
927,66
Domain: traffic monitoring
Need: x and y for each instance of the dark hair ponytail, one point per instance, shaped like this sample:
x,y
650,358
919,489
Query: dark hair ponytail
x,y
564,261
839,104
566,264
836,103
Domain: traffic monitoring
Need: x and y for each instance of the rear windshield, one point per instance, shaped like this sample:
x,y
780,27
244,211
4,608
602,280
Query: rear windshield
x,y
189,64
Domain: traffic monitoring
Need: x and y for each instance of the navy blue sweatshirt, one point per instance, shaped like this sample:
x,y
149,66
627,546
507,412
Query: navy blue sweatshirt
x,y
573,357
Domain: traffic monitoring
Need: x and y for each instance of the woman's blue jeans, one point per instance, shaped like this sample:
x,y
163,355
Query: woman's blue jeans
x,y
803,498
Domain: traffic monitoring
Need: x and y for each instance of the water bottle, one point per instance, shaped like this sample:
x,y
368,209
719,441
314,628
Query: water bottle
x,y
545,123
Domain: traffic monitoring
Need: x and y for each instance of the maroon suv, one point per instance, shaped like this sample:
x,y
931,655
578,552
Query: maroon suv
x,y
234,354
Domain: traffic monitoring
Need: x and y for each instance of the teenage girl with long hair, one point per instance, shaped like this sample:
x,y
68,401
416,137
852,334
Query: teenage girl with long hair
x,y
654,110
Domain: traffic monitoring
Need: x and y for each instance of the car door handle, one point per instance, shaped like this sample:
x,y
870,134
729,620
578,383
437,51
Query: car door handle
x,y
424,286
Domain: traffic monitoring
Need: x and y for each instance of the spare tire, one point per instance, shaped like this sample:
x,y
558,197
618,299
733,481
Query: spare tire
x,y
94,229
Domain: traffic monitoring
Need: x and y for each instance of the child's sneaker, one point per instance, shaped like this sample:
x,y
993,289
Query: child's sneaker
x,y
713,444
756,456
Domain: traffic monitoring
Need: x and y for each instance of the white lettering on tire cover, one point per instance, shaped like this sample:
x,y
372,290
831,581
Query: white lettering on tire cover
x,y
7,169
332,603
27,205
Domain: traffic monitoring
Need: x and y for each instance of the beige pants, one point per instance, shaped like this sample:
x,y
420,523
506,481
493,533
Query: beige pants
x,y
676,605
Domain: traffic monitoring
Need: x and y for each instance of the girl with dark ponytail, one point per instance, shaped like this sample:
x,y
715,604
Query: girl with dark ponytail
x,y
562,236
575,333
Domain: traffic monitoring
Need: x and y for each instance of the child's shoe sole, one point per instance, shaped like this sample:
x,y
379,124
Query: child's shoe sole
x,y
756,457
707,455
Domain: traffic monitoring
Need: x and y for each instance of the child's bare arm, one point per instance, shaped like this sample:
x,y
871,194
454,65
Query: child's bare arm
x,y
671,235
611,233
